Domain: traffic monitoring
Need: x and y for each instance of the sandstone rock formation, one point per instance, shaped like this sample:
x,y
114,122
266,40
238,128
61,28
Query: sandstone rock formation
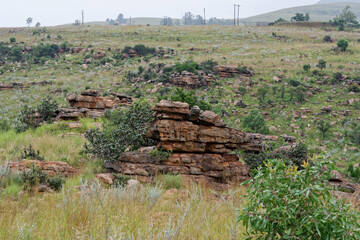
x,y
200,143
51,168
231,71
191,80
90,104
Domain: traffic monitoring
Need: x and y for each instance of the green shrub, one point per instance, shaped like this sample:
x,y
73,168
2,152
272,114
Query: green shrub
x,y
208,65
120,180
255,122
296,154
355,134
321,64
353,172
46,50
4,125
12,40
189,97
307,67
300,93
169,181
47,109
242,90
327,38
286,203
262,92
189,66
123,131
336,78
160,154
354,88
323,127
33,177
26,119
294,82
343,44
31,153
56,182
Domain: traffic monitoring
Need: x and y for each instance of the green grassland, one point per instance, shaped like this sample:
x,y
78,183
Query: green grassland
x,y
318,12
198,213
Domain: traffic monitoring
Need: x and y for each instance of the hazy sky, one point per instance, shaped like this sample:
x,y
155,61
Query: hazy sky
x,y
13,13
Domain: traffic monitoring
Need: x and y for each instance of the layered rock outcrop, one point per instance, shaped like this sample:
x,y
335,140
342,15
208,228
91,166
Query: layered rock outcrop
x,y
90,104
200,143
191,80
231,71
51,168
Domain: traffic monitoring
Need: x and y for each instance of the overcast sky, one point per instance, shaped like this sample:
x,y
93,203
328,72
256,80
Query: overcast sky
x,y
13,13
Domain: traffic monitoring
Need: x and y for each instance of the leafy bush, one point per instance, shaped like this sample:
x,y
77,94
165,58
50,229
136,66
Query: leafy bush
x,y
327,38
300,93
189,97
321,64
294,82
169,181
31,153
296,154
12,40
4,125
160,154
307,67
208,65
56,182
286,203
26,119
47,109
336,77
262,92
123,131
33,177
46,50
255,122
354,88
343,44
355,134
189,66
353,172
120,180
323,127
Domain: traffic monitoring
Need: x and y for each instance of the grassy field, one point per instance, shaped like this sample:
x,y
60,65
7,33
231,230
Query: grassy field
x,y
193,212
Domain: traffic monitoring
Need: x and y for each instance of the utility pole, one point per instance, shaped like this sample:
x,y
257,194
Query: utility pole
x,y
82,17
236,20
130,20
234,14
204,17
238,15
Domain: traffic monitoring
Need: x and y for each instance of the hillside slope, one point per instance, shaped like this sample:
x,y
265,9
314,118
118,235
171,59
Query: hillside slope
x,y
318,12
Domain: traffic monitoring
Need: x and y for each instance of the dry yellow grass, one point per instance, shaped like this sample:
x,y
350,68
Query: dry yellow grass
x,y
94,213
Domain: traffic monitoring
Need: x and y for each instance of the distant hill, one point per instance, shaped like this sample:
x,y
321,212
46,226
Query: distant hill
x,y
134,21
318,12
338,1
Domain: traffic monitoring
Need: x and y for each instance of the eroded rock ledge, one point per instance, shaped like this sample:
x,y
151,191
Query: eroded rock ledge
x,y
200,142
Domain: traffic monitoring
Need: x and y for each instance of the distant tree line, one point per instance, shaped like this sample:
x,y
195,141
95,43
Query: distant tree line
x,y
118,21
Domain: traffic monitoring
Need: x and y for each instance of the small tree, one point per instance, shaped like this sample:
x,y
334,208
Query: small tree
x,y
327,38
262,92
300,17
284,203
307,67
255,122
29,21
343,44
323,127
38,24
12,40
321,64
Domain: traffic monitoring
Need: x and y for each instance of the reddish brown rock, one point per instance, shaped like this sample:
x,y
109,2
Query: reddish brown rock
x,y
51,168
231,71
165,106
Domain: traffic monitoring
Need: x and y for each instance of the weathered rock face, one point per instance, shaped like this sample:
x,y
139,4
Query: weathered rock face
x,y
90,104
191,80
209,168
180,129
200,143
51,168
231,71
